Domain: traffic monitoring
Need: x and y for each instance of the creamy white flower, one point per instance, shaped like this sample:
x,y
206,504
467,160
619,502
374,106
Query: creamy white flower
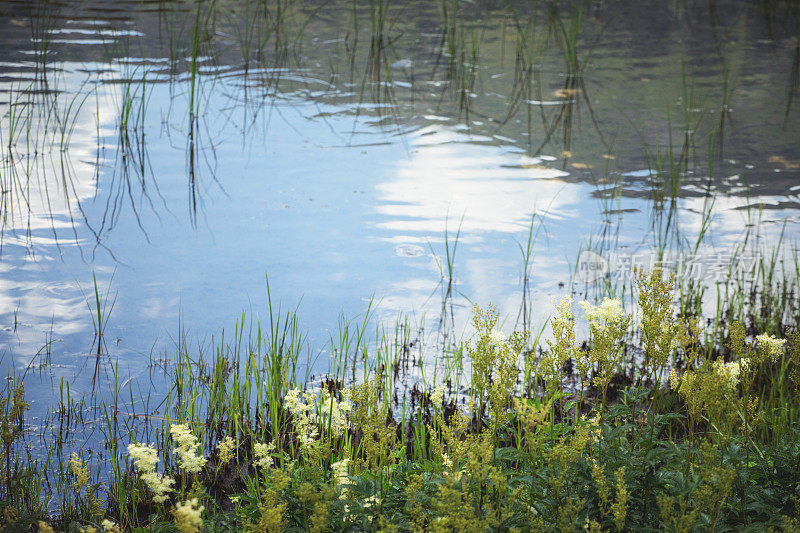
x,y
188,516
143,456
159,485
186,446
340,471
262,456
191,462
294,404
109,526
182,436
772,346
729,372
497,338
609,312
448,463
337,411
145,459
612,309
563,306
303,418
437,396
372,501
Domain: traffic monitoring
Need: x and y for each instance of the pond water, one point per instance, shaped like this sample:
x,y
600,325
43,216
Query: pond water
x,y
183,153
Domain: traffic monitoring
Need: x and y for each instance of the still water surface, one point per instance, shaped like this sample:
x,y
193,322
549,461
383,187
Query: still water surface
x,y
183,152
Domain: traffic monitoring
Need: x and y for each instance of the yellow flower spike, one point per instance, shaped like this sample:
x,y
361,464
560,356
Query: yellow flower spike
x,y
226,447
79,471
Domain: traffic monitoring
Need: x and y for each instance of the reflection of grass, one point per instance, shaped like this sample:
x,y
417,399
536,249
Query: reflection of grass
x,y
552,43
567,35
43,20
15,121
447,285
16,117
460,46
101,312
794,78
535,32
36,169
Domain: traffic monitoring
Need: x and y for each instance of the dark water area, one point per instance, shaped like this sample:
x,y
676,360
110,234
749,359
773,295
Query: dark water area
x,y
182,153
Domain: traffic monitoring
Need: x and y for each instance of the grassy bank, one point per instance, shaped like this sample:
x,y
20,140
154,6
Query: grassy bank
x,y
564,438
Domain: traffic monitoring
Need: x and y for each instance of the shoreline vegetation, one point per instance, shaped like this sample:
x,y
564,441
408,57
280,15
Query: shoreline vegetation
x,y
677,412
641,427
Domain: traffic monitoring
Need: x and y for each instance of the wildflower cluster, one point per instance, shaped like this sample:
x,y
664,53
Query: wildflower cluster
x,y
339,470
300,405
495,361
497,338
616,508
770,346
562,347
437,396
107,526
80,480
504,376
608,324
80,472
713,389
334,413
531,415
186,447
660,332
110,526
370,414
608,315
310,413
728,373
145,458
262,452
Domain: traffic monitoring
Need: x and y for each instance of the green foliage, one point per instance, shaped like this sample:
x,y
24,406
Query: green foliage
x,y
717,450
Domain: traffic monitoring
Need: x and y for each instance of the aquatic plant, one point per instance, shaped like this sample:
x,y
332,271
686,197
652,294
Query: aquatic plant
x,y
589,447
